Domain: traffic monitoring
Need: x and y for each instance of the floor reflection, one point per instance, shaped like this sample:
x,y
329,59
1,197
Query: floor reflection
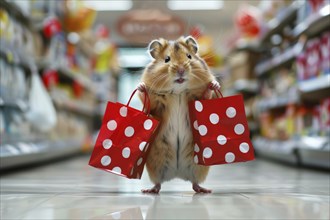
x,y
174,207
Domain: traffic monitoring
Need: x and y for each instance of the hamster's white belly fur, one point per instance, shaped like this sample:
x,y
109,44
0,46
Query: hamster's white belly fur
x,y
180,137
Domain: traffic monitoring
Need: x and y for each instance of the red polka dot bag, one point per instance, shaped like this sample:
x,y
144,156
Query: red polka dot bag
x,y
125,135
220,130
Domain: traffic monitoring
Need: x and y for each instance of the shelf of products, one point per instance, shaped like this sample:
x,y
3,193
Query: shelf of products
x,y
275,102
292,105
280,21
75,106
245,87
305,151
279,60
20,153
314,23
276,149
311,85
45,63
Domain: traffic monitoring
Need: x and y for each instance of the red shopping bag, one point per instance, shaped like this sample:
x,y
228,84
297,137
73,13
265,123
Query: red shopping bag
x,y
122,144
220,131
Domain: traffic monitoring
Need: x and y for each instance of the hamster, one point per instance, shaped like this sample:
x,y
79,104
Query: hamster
x,y
176,76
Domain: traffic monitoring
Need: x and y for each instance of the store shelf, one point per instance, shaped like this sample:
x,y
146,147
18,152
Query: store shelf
x,y
75,106
21,105
75,76
316,84
276,24
276,102
314,90
315,23
15,56
21,153
283,151
315,151
244,86
306,151
16,12
245,45
275,62
315,158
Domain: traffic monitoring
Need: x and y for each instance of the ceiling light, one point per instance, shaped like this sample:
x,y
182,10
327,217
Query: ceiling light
x,y
109,5
194,5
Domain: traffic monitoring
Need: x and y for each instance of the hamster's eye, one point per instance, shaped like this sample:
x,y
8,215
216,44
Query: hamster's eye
x,y
189,56
167,59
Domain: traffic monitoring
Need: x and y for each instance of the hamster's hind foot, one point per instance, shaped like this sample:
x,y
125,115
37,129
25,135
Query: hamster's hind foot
x,y
198,189
154,190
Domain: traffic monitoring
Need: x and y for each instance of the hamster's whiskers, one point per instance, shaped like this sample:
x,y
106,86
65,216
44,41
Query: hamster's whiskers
x,y
157,80
196,77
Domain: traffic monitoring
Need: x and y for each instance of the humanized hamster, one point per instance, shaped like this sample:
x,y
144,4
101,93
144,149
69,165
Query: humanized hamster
x,y
176,76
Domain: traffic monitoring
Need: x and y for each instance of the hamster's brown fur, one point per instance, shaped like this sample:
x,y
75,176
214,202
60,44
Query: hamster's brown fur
x,y
176,76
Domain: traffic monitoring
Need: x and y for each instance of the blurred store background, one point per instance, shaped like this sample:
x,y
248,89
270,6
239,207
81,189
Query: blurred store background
x,y
61,61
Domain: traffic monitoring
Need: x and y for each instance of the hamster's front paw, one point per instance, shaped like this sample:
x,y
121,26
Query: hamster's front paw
x,y
142,87
214,85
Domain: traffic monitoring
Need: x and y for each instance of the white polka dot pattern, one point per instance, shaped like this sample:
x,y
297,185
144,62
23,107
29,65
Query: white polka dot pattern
x,y
196,148
220,131
123,140
117,170
222,139
107,143
207,152
202,130
231,112
196,159
214,118
129,131
142,145
244,147
198,106
112,125
196,125
126,152
147,124
105,160
123,111
239,129
230,157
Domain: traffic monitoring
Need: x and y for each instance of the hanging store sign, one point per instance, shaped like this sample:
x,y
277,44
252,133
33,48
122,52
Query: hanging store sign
x,y
141,26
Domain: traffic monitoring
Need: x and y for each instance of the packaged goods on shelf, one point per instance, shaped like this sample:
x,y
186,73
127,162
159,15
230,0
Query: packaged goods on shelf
x,y
297,120
33,43
314,60
308,8
292,70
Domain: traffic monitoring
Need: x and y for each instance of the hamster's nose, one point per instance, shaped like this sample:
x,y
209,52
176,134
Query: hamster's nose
x,y
181,71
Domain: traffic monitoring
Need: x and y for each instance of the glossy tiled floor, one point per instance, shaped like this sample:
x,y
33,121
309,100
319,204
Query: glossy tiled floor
x,y
71,189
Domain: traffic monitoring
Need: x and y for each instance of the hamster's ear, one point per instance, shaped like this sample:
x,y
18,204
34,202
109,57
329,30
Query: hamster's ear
x,y
191,43
154,48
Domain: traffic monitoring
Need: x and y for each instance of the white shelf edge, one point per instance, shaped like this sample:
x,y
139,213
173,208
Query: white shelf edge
x,y
311,85
74,106
311,19
286,56
277,102
275,22
20,153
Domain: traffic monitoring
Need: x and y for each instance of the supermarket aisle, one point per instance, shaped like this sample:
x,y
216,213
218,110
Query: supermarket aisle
x,y
72,190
